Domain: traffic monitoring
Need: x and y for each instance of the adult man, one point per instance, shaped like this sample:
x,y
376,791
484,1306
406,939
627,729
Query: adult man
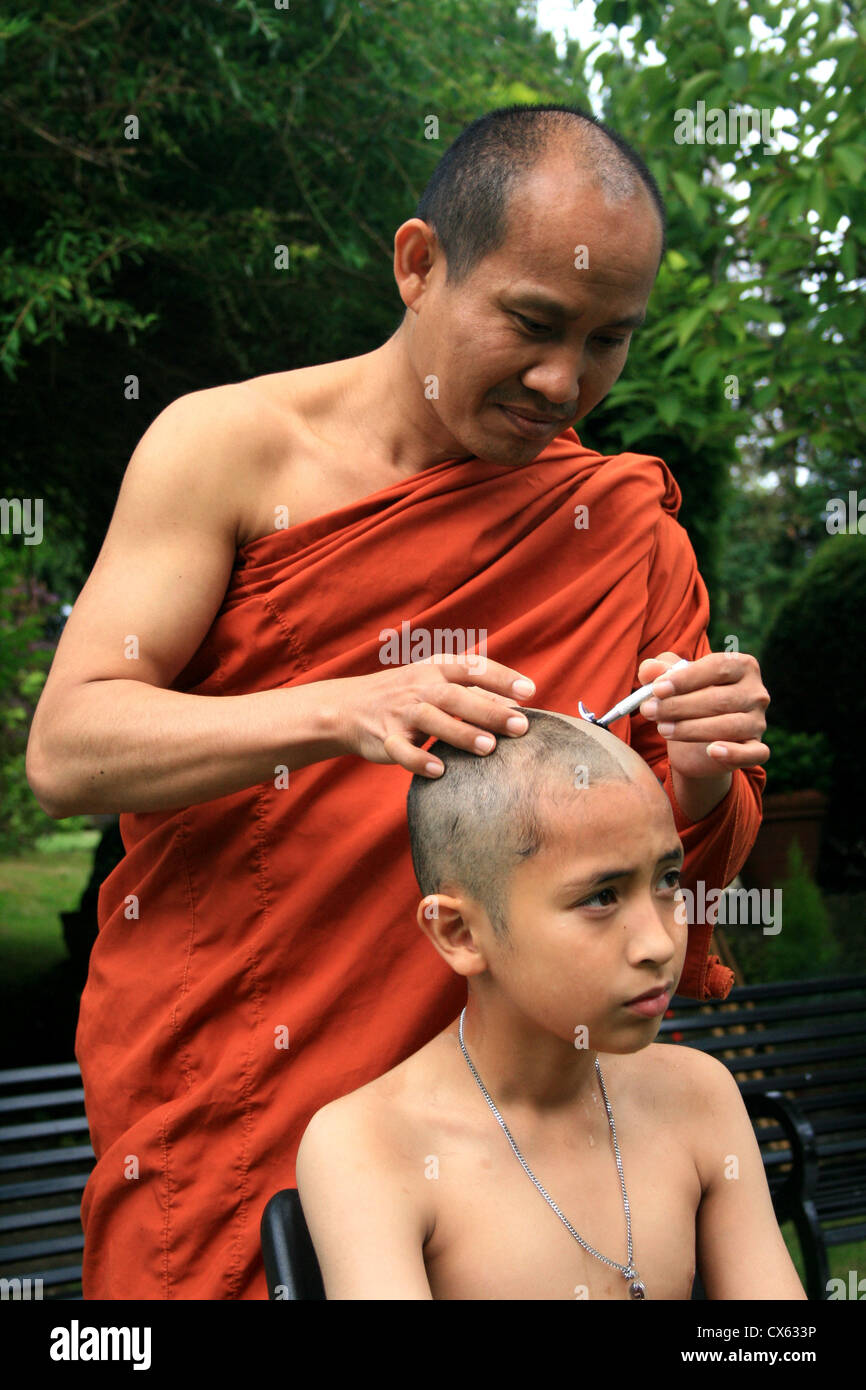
x,y
256,955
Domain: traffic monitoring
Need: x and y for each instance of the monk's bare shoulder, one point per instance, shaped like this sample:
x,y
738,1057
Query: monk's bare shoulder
x,y
302,459
236,438
264,427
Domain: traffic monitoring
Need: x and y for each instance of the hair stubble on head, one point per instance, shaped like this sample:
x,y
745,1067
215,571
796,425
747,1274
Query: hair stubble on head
x,y
469,193
471,827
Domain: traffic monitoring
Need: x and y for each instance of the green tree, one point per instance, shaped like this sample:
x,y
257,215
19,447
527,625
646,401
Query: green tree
x,y
755,352
147,252
24,660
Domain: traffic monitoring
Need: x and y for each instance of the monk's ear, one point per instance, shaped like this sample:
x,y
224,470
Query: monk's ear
x,y
442,920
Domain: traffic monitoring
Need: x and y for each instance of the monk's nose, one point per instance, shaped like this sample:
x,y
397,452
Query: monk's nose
x,y
558,382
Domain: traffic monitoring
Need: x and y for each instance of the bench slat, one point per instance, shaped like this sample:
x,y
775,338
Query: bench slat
x,y
42,1158
53,1071
787,989
780,1057
804,1082
47,1216
53,1278
34,1101
76,1124
45,1187
40,1249
803,1022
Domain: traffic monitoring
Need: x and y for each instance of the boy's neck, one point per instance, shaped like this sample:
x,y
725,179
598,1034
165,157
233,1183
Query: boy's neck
x,y
524,1065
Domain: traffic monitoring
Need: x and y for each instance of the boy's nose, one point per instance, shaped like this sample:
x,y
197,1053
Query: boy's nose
x,y
651,935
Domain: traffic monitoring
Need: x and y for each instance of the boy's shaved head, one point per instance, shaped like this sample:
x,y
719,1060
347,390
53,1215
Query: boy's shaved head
x,y
473,826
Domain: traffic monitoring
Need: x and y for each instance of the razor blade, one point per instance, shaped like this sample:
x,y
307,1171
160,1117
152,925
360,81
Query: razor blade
x,y
630,703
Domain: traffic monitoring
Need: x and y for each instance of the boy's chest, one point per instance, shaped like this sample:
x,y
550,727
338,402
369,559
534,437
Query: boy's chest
x,y
496,1237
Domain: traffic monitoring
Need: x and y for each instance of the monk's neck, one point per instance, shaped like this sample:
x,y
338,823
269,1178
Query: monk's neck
x,y
384,405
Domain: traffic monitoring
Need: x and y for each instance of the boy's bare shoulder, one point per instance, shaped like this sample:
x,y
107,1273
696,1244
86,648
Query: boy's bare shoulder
x,y
689,1079
383,1115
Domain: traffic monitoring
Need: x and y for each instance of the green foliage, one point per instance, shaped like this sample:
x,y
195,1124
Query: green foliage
x,y
150,260
191,140
806,945
754,348
140,269
814,666
24,662
814,656
798,761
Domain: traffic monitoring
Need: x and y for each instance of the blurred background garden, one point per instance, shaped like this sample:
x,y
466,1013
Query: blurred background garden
x,y
156,156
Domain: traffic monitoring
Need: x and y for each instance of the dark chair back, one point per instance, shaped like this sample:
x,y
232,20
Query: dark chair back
x,y
290,1260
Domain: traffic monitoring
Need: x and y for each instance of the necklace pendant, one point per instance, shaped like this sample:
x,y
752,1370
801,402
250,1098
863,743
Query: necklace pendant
x,y
637,1288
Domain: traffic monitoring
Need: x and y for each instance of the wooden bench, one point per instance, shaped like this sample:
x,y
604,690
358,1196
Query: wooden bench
x,y
45,1161
798,1052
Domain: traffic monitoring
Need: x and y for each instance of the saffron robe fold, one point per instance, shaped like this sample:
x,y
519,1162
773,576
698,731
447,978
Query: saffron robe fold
x,y
269,959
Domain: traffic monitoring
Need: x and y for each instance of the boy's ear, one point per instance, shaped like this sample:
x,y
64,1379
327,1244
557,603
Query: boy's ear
x,y
441,918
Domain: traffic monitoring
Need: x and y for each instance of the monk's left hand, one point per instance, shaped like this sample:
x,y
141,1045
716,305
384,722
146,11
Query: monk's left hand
x,y
711,712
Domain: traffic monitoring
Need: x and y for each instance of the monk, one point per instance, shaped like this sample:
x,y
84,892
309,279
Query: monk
x,y
556,897
309,575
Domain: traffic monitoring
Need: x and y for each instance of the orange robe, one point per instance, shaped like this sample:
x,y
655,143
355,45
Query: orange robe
x,y
273,961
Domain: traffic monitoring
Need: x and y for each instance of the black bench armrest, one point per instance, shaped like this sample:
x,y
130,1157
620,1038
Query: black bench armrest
x,y
801,1183
794,1199
290,1258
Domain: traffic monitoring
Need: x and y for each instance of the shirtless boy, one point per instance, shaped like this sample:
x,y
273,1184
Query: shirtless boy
x,y
550,875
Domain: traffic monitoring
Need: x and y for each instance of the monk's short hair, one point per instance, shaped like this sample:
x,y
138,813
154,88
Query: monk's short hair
x,y
472,826
467,198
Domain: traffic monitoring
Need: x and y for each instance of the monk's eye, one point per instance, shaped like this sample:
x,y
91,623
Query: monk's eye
x,y
532,326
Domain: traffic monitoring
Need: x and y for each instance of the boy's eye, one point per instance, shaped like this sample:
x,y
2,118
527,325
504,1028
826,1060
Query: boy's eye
x,y
671,874
595,897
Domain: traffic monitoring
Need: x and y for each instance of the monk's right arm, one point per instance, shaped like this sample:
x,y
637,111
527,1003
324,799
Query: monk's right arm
x,y
126,746
107,735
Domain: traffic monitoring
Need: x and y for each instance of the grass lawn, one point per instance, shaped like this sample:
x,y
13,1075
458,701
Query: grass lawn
x,y
39,993
841,1258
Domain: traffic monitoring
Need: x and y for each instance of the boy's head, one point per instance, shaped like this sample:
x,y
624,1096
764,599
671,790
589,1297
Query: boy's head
x,y
548,869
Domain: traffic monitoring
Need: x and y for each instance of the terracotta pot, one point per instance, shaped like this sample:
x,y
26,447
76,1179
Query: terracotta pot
x,y
788,816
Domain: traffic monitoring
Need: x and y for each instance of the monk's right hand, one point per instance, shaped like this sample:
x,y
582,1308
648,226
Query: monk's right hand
x,y
383,717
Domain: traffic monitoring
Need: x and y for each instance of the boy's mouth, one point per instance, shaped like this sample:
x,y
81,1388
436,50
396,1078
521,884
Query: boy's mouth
x,y
653,1001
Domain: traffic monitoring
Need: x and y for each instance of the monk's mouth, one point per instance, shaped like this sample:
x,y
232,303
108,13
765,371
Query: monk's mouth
x,y
530,429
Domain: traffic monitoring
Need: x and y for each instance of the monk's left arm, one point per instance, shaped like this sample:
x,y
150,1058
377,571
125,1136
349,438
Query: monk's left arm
x,y
717,809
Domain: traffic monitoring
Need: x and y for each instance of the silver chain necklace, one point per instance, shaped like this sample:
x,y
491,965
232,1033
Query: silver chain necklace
x,y
636,1288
